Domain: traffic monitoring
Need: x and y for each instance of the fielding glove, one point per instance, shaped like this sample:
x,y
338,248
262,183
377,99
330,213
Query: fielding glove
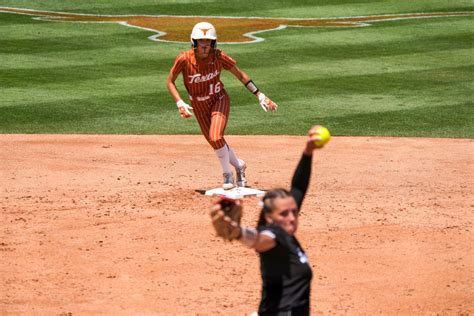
x,y
266,103
184,109
226,215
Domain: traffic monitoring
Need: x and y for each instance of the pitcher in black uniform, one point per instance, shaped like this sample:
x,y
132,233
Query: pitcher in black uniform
x,y
286,273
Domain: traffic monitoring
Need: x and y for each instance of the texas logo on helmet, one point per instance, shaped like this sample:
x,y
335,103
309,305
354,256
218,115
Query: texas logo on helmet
x,y
231,29
204,31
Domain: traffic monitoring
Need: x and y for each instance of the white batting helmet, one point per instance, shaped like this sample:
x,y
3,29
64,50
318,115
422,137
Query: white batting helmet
x,y
204,30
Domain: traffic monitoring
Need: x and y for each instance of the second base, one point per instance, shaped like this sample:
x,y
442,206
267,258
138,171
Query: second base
x,y
235,193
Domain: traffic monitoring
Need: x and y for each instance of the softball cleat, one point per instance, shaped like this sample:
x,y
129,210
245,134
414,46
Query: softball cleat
x,y
240,171
228,181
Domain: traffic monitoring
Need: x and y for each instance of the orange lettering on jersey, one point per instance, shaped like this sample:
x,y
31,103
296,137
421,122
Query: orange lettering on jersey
x,y
231,30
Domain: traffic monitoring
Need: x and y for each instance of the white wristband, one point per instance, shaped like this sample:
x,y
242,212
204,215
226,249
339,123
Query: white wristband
x,y
252,87
248,236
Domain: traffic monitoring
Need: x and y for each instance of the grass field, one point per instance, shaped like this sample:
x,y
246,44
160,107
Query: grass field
x,y
397,78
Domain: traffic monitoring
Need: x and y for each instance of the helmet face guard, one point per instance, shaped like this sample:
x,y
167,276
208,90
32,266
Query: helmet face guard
x,y
194,43
203,30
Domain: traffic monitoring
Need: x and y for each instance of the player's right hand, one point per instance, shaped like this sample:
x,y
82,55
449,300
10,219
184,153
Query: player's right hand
x,y
184,109
313,137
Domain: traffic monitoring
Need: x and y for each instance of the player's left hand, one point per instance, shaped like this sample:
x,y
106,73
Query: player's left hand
x,y
226,218
266,103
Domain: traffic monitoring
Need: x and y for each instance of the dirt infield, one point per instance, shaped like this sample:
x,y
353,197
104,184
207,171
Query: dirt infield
x,y
114,225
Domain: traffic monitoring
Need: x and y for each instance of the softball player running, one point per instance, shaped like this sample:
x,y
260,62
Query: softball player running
x,y
201,67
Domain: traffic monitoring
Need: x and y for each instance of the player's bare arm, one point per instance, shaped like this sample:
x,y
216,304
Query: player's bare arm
x,y
170,83
183,107
265,102
259,241
240,74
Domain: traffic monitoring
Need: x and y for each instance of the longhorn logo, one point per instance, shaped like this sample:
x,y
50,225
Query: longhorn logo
x,y
204,31
232,30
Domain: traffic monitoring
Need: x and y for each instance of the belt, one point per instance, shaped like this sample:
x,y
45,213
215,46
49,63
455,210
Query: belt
x,y
200,98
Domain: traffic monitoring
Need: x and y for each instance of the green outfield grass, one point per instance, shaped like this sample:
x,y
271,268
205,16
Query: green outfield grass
x,y
399,78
